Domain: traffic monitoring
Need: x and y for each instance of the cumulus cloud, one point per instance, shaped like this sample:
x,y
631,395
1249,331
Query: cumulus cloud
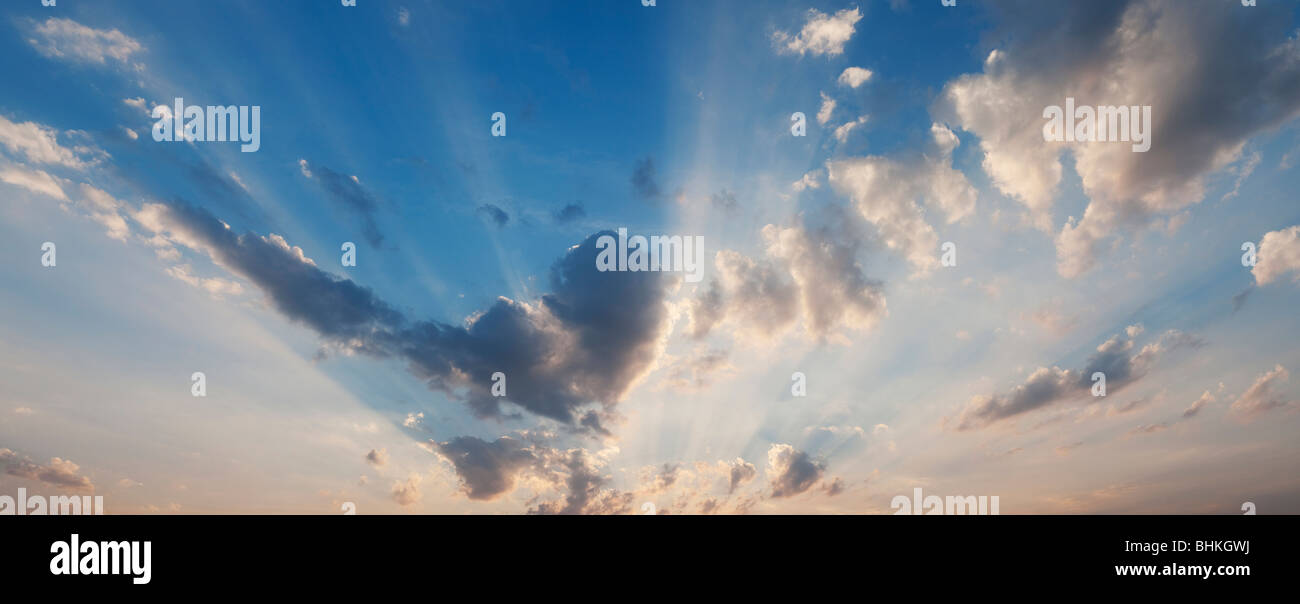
x,y
61,473
581,477
758,296
1173,56
821,34
1116,358
587,342
487,469
1279,255
893,195
791,471
1260,397
67,39
377,457
854,77
833,291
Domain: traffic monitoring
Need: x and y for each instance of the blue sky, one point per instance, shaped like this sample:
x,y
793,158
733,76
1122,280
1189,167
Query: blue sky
x,y
329,383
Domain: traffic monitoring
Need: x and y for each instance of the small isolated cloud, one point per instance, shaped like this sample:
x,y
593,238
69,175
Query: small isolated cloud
x,y
67,39
377,457
1260,397
403,16
1197,405
570,213
791,471
821,34
854,77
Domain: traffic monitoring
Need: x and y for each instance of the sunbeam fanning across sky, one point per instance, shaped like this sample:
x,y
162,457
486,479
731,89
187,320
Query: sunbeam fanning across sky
x,y
611,257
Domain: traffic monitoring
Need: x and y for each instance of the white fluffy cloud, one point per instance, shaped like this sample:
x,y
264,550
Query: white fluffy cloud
x,y
893,194
1167,54
67,39
38,144
854,77
1279,254
822,34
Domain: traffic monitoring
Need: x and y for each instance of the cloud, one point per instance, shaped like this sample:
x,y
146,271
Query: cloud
x,y
833,291
739,472
570,213
61,473
39,144
583,481
758,295
1279,254
854,77
377,457
215,286
1048,385
892,194
403,16
791,471
827,109
842,132
67,39
1172,56
407,492
1200,403
1260,398
495,214
36,181
486,469
822,34
587,342
347,193
643,180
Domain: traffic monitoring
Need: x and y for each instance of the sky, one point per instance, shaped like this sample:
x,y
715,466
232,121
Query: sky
x,y
918,292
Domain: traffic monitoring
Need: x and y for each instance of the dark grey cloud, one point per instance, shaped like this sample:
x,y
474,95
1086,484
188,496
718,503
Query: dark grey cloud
x,y
644,180
570,213
1115,358
487,469
792,471
349,195
585,343
494,213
